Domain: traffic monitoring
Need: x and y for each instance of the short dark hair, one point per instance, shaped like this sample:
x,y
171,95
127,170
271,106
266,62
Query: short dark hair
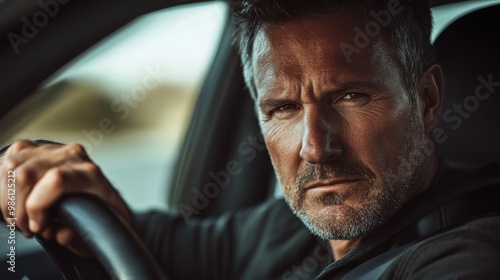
x,y
409,31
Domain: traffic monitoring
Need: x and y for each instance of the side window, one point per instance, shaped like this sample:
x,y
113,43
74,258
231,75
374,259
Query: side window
x,y
129,99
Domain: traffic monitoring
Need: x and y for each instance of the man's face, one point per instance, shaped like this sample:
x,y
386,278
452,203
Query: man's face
x,y
340,134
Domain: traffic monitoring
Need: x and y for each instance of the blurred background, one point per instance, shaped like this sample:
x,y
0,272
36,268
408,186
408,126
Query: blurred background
x,y
129,99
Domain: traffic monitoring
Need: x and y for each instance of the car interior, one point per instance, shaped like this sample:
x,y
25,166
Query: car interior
x,y
220,125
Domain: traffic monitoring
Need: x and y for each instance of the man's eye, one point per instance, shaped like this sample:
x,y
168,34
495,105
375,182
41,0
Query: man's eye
x,y
286,107
351,96
353,99
283,111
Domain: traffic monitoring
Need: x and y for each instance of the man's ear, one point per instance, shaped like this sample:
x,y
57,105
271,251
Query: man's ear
x,y
430,94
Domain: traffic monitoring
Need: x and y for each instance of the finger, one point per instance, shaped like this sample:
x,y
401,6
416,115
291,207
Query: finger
x,y
49,233
18,146
67,238
31,163
7,175
46,154
24,180
24,150
47,191
42,158
77,178
18,184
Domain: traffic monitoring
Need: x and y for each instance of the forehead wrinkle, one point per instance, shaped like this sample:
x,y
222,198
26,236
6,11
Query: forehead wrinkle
x,y
276,73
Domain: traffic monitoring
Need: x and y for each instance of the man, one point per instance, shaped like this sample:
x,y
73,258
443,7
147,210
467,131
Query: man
x,y
347,94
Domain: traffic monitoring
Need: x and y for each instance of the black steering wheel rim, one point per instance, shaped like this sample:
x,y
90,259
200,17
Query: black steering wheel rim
x,y
119,251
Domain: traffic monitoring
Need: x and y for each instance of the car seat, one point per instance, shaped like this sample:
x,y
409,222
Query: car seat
x,y
468,133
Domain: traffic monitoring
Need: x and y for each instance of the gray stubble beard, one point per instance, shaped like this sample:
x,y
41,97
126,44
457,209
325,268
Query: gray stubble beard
x,y
394,190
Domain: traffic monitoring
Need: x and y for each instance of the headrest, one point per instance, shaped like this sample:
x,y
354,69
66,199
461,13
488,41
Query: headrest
x,y
468,133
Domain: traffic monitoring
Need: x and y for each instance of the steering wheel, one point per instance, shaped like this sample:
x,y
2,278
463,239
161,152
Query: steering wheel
x,y
114,243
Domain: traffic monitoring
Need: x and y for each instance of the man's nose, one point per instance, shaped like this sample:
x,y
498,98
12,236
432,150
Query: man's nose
x,y
320,141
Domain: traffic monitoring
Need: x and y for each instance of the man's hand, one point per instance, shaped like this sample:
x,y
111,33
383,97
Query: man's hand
x,y
43,174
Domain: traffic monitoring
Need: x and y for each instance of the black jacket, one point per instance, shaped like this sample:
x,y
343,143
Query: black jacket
x,y
451,231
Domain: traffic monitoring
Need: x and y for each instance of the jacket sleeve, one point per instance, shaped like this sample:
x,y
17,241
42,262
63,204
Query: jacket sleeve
x,y
199,248
470,252
187,250
261,242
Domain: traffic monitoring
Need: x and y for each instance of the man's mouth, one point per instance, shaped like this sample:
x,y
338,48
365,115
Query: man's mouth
x,y
332,185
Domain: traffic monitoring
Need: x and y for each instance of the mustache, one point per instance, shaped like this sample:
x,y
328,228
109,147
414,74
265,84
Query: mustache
x,y
324,172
